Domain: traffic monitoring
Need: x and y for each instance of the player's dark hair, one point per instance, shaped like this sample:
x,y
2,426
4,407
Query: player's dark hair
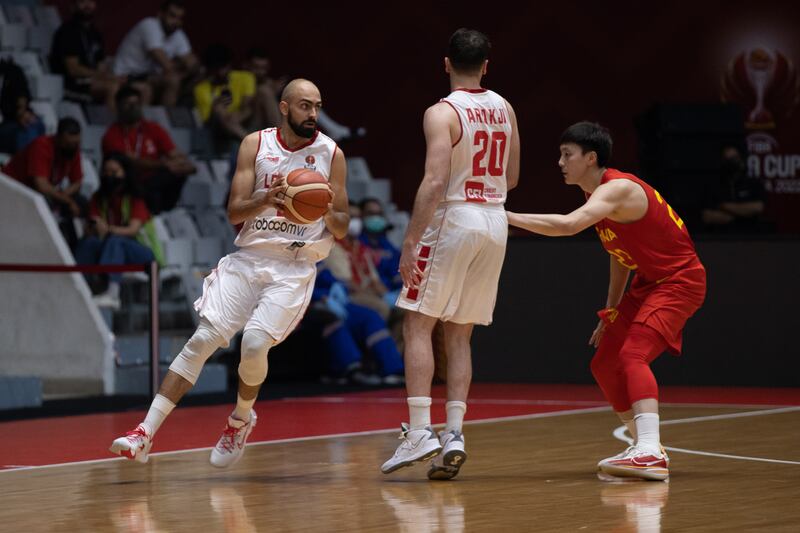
x,y
468,49
591,137
68,126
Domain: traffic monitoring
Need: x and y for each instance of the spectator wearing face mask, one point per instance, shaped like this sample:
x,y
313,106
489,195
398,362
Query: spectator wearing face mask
x,y
161,168
116,216
353,263
51,165
387,256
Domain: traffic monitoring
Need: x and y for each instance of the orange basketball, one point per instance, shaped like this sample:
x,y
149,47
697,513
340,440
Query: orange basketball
x,y
307,196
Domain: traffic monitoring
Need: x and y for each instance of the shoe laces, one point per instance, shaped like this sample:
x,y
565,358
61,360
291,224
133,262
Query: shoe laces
x,y
138,434
228,440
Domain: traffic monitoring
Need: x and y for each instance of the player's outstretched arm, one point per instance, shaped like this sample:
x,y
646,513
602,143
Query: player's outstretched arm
x,y
436,124
512,171
245,202
337,218
604,201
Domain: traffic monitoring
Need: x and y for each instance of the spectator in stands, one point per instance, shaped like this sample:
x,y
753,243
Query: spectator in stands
x,y
357,326
265,106
78,54
387,255
51,165
161,168
156,55
225,99
735,201
353,263
20,124
266,113
116,215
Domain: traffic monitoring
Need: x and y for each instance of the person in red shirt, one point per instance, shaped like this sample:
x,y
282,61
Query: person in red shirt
x,y
161,168
116,214
643,234
51,165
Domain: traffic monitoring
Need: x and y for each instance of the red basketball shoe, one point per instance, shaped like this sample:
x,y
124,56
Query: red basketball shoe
x,y
638,463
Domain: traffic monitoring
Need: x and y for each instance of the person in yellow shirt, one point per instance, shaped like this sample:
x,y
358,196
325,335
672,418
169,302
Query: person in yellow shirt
x,y
225,98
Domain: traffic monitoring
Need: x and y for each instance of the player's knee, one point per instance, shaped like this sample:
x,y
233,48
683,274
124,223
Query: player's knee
x,y
603,368
204,342
253,364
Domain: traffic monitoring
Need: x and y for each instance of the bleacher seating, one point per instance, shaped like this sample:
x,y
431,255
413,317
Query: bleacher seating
x,y
197,233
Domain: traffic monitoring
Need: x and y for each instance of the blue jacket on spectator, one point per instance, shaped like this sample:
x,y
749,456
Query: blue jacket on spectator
x,y
389,265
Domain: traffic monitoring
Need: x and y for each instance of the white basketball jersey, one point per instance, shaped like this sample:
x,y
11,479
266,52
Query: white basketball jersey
x,y
480,156
269,232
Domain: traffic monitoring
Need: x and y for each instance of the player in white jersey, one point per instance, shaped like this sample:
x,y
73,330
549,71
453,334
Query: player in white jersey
x,y
454,247
266,285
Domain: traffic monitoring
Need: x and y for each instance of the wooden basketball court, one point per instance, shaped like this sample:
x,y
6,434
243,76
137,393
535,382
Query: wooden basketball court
x,y
734,468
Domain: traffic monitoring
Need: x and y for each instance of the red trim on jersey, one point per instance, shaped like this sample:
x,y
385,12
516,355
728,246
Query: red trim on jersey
x,y
412,294
286,147
460,125
425,252
335,149
260,133
472,91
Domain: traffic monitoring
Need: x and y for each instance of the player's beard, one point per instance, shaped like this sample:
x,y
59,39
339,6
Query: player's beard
x,y
300,129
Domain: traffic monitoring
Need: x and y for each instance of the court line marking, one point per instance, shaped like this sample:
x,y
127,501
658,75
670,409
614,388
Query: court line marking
x,y
510,401
317,437
478,401
619,434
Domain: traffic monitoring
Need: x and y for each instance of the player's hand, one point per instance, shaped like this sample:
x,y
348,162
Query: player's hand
x,y
409,270
275,194
597,334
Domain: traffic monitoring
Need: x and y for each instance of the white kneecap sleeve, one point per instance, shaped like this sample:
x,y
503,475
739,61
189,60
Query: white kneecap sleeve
x,y
253,365
196,351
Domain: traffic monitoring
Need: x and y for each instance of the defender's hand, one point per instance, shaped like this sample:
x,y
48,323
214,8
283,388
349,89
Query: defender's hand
x,y
597,334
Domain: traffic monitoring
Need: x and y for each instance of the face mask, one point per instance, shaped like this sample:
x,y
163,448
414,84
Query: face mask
x,y
375,223
355,227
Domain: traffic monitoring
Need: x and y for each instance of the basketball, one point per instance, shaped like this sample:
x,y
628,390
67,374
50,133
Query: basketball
x,y
307,196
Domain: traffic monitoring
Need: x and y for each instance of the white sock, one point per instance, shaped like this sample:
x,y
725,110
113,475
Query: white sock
x,y
159,411
243,407
419,411
455,415
649,439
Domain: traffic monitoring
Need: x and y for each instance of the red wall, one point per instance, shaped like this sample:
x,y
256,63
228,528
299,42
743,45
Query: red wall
x,y
380,64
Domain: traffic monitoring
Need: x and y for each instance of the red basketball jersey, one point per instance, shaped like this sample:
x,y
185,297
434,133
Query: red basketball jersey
x,y
657,245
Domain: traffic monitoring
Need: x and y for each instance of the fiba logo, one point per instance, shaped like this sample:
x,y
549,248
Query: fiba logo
x,y
310,160
473,191
765,82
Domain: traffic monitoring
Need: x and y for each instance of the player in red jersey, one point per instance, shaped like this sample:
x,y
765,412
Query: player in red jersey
x,y
642,233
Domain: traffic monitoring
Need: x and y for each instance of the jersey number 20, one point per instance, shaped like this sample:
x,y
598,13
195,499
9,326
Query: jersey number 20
x,y
495,146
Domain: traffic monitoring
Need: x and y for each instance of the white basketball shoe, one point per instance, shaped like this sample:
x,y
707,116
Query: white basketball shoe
x,y
134,445
447,464
230,447
418,445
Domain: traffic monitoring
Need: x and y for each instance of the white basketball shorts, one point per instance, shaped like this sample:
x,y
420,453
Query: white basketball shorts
x,y
256,292
461,255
